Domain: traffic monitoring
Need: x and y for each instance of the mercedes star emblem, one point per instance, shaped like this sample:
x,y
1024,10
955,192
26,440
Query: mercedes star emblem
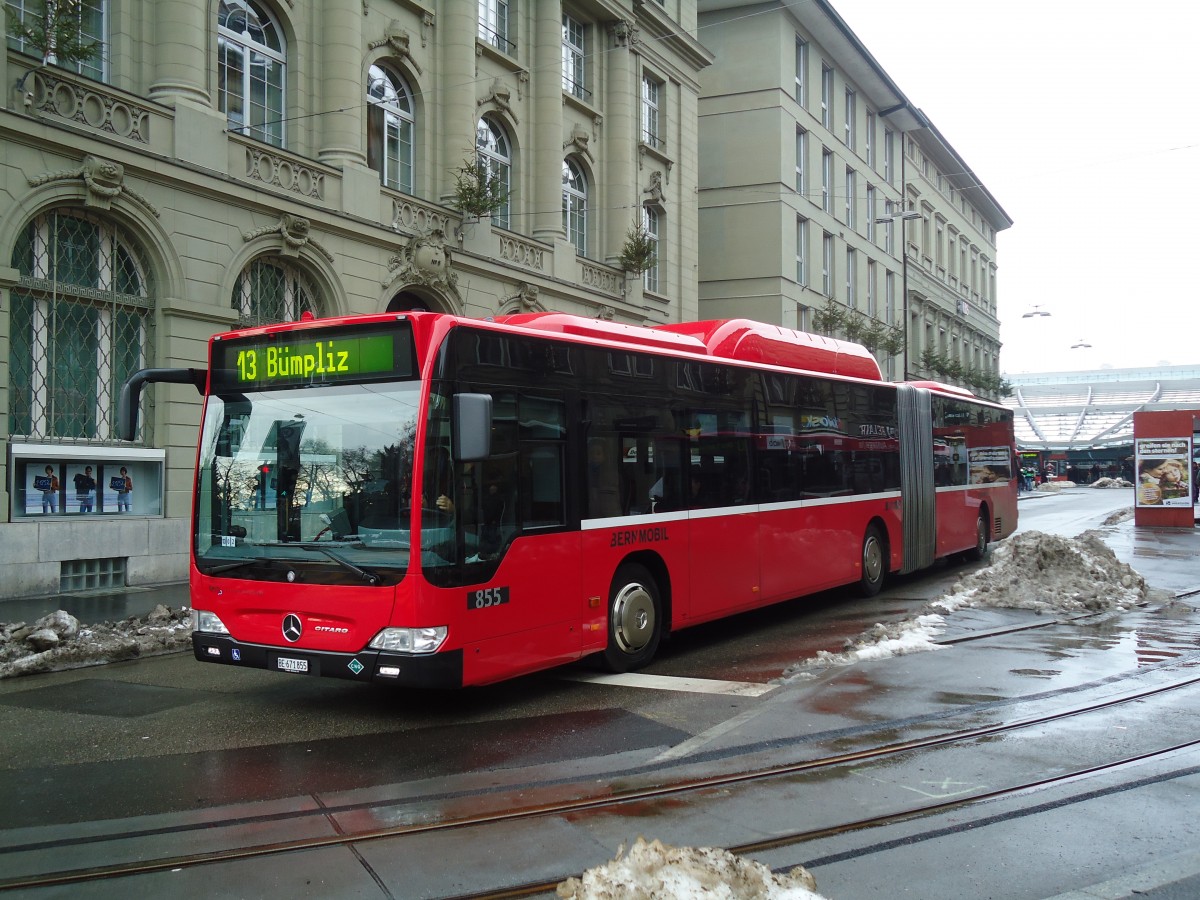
x,y
292,628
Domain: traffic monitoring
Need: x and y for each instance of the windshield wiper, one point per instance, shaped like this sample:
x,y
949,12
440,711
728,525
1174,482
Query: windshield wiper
x,y
229,567
369,577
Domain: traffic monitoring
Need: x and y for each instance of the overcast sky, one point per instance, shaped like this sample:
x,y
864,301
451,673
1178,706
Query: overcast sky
x,y
1082,117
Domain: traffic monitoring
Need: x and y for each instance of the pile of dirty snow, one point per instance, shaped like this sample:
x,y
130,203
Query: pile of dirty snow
x,y
57,641
1119,516
1031,570
1053,487
1111,483
1048,573
653,870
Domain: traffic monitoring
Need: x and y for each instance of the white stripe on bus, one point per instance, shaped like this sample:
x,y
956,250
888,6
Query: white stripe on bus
x,y
740,510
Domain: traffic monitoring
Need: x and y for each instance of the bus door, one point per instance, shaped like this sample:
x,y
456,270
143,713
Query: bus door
x,y
918,497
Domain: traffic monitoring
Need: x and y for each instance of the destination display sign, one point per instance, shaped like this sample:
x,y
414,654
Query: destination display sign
x,y
314,357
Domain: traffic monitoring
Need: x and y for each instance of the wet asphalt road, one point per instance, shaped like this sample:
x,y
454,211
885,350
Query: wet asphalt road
x,y
171,737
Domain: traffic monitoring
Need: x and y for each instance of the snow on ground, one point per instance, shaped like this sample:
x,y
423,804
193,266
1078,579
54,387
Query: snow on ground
x,y
57,641
653,870
1031,570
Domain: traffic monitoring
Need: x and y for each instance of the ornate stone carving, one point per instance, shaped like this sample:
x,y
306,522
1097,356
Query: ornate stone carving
x,y
580,139
294,231
608,281
654,193
522,253
605,313
49,94
410,216
278,171
526,298
425,260
624,33
104,179
398,40
498,96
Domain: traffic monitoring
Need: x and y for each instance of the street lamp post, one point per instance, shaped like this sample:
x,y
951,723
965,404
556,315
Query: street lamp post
x,y
902,216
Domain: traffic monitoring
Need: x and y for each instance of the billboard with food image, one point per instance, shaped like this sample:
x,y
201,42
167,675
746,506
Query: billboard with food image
x,y
1164,472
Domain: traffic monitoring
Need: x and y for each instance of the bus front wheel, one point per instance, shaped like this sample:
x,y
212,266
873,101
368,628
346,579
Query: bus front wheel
x,y
634,619
874,563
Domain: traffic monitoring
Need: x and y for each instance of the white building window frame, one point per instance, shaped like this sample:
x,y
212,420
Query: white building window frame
x,y
802,251
390,128
575,205
801,71
652,223
494,25
494,155
574,57
252,96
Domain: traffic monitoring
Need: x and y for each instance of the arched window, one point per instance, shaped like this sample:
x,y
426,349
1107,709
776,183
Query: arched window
x,y
494,156
251,70
79,326
270,290
652,223
574,206
390,129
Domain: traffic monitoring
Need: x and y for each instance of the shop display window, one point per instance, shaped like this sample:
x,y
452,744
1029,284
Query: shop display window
x,y
77,481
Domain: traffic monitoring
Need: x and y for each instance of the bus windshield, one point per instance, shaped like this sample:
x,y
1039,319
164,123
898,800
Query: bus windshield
x,y
308,482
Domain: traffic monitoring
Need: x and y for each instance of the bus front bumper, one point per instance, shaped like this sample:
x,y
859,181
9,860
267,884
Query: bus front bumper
x,y
437,670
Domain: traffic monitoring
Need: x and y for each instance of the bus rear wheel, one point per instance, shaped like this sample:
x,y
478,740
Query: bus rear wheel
x,y
634,619
874,563
977,552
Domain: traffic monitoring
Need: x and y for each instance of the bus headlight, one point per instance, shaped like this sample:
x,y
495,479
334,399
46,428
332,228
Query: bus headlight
x,y
203,620
410,640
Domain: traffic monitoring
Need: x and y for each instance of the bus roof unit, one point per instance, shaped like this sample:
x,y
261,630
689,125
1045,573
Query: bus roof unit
x,y
564,323
740,339
758,342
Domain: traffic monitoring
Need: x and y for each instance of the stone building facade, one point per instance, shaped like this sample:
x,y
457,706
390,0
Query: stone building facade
x,y
821,183
213,165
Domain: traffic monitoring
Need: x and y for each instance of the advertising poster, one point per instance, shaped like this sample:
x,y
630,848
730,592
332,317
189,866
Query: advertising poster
x,y
990,464
81,488
1164,471
42,489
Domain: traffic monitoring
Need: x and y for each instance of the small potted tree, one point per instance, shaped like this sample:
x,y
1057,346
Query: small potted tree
x,y
639,251
53,29
477,192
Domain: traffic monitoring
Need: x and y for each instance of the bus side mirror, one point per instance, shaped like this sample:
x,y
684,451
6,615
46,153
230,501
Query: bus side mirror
x,y
472,414
131,393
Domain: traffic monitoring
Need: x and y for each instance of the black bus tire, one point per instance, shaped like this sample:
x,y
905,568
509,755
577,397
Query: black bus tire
x,y
874,563
982,533
634,619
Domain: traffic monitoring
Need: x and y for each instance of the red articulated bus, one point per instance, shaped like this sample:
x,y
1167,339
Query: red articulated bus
x,y
434,501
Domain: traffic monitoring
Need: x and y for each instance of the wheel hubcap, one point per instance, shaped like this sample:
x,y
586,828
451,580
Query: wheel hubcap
x,y
633,618
872,559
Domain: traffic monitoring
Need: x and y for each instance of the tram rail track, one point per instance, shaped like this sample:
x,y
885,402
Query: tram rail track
x,y
607,802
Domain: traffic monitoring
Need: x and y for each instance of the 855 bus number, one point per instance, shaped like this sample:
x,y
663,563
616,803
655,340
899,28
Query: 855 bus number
x,y
485,597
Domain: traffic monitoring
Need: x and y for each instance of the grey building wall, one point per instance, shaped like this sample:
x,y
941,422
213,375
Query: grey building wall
x,y
821,181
